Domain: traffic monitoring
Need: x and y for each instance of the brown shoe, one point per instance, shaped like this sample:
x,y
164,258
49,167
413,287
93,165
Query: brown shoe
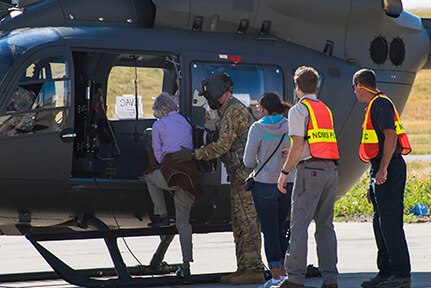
x,y
334,285
226,279
248,277
287,284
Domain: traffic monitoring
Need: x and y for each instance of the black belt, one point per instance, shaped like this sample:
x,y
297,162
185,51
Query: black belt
x,y
316,159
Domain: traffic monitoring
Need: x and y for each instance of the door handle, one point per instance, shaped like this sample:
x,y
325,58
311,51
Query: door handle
x,y
69,135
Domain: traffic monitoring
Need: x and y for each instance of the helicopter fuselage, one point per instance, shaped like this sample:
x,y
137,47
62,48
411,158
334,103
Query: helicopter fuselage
x,y
62,160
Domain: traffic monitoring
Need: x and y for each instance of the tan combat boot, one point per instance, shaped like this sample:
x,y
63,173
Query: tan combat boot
x,y
248,277
226,279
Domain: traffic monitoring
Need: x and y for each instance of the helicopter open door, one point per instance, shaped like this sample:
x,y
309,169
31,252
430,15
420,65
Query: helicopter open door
x,y
252,75
36,120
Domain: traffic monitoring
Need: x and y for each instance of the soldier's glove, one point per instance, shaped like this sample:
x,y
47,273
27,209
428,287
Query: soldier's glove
x,y
184,155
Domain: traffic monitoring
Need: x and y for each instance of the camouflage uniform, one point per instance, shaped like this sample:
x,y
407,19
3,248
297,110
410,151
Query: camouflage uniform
x,y
234,124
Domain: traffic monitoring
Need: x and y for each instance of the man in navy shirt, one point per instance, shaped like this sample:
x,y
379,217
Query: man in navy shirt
x,y
383,141
382,112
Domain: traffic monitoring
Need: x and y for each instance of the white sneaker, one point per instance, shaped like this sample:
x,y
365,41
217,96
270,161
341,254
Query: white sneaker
x,y
269,283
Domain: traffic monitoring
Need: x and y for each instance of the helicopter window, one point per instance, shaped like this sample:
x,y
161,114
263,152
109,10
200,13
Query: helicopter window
x,y
52,68
39,102
28,113
53,94
250,82
121,91
22,100
32,123
19,41
40,95
48,80
56,71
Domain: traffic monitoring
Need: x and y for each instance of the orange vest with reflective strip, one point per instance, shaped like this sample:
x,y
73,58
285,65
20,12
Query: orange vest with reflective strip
x,y
320,131
369,147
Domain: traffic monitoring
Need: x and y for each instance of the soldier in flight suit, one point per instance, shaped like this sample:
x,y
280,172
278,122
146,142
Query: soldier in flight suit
x,y
234,124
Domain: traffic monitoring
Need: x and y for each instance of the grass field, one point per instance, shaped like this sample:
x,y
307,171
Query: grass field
x,y
417,114
354,205
121,82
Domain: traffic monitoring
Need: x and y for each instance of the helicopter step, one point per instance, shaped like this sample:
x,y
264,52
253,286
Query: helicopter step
x,y
86,278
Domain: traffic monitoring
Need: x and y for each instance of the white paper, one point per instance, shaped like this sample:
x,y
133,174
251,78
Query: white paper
x,y
244,98
125,107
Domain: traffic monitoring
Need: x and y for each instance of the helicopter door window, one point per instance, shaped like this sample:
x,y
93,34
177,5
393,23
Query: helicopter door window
x,y
40,101
46,69
53,94
250,82
121,91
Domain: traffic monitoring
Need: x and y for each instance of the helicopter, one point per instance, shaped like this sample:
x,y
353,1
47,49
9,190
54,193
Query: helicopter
x,y
78,79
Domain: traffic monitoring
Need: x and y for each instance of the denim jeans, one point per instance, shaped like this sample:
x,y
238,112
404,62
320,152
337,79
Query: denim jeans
x,y
273,210
388,203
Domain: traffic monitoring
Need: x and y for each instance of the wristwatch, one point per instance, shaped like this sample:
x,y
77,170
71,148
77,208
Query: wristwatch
x,y
284,172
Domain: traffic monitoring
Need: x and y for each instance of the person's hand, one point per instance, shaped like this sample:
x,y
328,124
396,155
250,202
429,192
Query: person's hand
x,y
281,183
381,176
285,152
184,155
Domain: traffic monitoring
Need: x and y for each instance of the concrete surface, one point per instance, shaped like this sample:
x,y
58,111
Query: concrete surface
x,y
215,253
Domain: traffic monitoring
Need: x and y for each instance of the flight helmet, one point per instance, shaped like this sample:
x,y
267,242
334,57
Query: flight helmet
x,y
214,86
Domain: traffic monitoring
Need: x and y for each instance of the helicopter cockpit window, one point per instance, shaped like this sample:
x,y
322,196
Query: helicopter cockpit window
x,y
250,82
45,70
18,42
121,91
40,100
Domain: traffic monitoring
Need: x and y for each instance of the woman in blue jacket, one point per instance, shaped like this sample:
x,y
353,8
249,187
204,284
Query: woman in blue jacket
x,y
272,206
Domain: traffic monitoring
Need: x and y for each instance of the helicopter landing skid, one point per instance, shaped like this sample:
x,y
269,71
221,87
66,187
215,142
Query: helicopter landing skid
x,y
123,273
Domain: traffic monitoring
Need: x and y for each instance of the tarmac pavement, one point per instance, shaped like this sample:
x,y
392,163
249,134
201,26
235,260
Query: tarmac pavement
x,y
214,253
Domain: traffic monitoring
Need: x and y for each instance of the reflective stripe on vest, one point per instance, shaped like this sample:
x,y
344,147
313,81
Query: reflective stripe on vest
x,y
320,132
369,147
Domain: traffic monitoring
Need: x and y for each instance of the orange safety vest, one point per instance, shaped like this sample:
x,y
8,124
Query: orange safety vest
x,y
320,132
369,147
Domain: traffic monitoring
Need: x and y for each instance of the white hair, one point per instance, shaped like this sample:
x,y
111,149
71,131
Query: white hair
x,y
164,104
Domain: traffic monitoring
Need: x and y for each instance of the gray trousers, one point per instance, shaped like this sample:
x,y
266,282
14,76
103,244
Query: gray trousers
x,y
183,201
313,197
